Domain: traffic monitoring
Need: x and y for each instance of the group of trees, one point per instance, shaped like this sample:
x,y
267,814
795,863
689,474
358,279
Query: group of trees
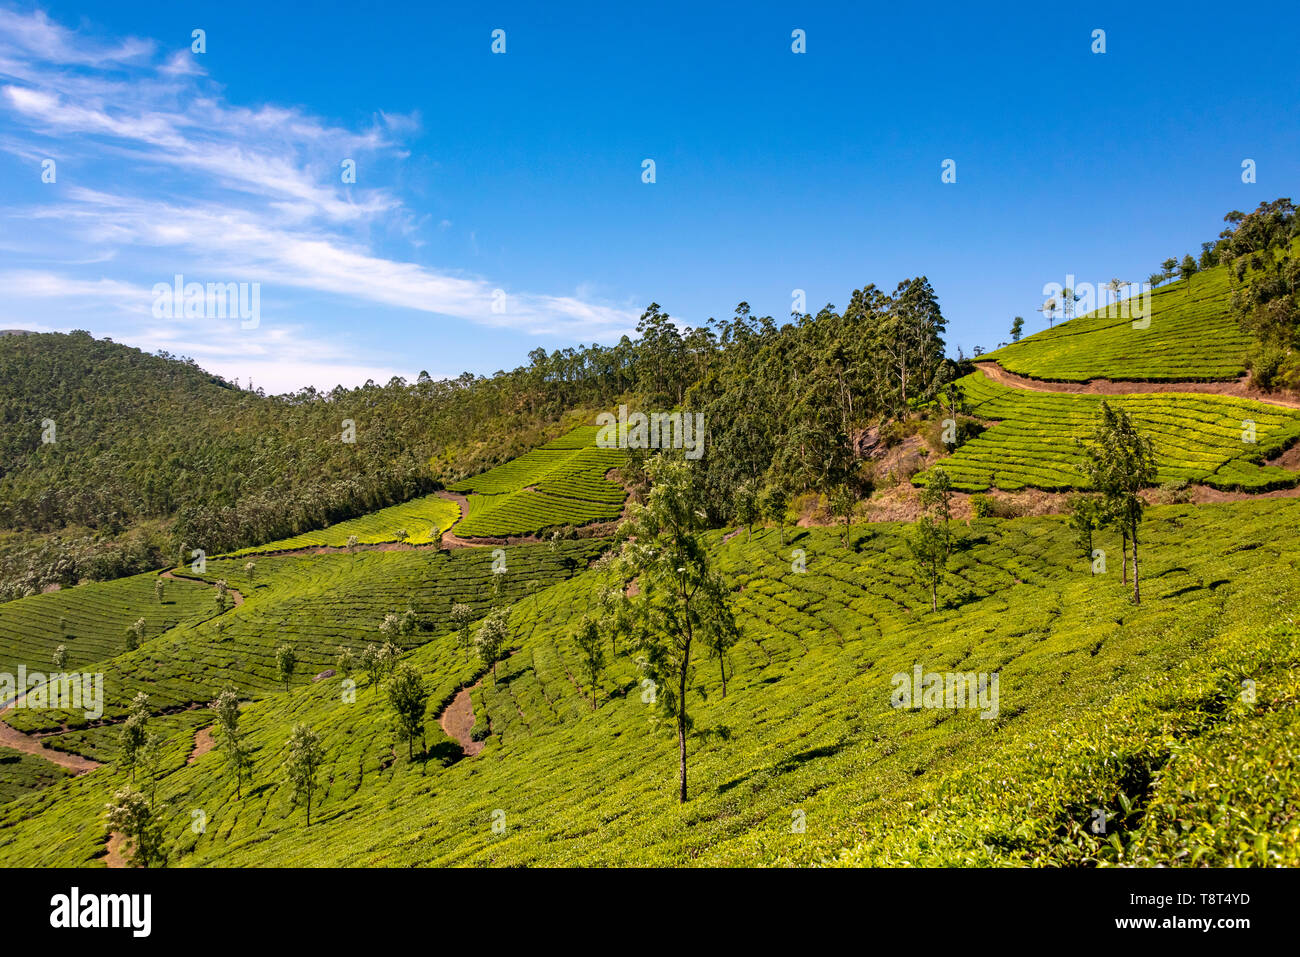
x,y
150,451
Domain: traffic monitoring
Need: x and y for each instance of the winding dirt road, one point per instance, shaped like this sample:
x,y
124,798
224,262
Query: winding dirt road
x,y
1238,388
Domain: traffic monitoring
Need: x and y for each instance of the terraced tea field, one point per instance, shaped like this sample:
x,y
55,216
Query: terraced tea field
x,y
1197,438
420,521
315,604
1192,336
91,620
24,774
806,732
561,483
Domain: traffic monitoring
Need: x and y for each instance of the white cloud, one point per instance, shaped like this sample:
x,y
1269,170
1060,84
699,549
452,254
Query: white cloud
x,y
239,193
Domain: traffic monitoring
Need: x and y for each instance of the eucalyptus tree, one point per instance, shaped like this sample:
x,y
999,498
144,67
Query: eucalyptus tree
x,y
1119,464
680,599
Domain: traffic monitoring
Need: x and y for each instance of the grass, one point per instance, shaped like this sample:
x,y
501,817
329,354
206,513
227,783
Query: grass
x,y
1098,698
1192,336
562,483
1197,438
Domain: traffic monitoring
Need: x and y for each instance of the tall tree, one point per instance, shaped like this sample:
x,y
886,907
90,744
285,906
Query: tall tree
x,y
130,814
409,699
1017,328
680,598
286,660
239,757
591,646
1120,463
462,616
305,756
492,638
927,547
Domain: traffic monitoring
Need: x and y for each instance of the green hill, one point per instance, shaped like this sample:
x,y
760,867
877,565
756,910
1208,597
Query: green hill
x,y
806,730
1217,441
1192,336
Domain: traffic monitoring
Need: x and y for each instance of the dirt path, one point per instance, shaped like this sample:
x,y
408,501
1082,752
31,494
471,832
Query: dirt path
x,y
458,719
235,596
203,743
114,857
1238,388
11,737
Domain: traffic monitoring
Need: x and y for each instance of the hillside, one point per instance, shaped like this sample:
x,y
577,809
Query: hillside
x,y
478,611
806,724
1192,336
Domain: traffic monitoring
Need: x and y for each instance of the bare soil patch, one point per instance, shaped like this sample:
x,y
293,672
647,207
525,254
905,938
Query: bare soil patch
x,y
457,720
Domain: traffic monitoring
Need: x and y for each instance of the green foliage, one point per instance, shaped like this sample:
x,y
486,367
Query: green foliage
x,y
1197,438
408,697
492,638
302,764
680,600
589,642
131,814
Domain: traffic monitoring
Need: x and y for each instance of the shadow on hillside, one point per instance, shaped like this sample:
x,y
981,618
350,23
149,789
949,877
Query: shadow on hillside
x,y
788,764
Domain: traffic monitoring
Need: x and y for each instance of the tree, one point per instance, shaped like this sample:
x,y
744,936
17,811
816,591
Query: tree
x,y
1120,463
345,662
239,758
371,663
1017,328
134,735
773,504
135,634
285,663
352,542
409,698
1048,309
462,616
159,586
60,658
842,501
492,638
133,816
747,512
251,569
1086,516
304,759
1114,286
592,648
1168,266
928,549
680,599
1187,269
936,498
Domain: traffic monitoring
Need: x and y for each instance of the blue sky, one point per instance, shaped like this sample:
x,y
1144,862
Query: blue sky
x,y
522,172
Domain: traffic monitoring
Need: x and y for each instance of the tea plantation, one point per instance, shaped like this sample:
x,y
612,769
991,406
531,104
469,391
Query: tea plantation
x,y
420,521
1191,336
1136,712
562,483
1218,441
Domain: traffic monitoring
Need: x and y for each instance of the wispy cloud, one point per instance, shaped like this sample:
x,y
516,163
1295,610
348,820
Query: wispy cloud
x,y
249,193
